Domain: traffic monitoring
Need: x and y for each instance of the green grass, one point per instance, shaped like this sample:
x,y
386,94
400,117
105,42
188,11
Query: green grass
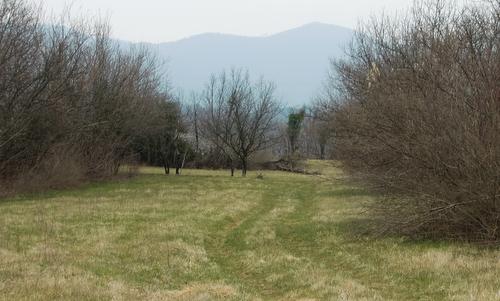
x,y
207,236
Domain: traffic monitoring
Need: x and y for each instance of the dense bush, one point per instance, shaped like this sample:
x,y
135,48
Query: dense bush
x,y
418,116
72,103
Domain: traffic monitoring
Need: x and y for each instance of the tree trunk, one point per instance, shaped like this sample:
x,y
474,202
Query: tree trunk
x,y
292,146
196,135
116,168
165,165
244,167
174,161
183,162
231,163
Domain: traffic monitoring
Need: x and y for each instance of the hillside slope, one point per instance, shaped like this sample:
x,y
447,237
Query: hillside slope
x,y
296,60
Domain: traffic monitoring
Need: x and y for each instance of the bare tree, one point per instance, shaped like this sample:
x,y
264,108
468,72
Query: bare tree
x,y
239,116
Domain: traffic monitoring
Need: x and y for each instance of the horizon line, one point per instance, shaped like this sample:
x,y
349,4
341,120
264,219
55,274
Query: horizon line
x,y
236,35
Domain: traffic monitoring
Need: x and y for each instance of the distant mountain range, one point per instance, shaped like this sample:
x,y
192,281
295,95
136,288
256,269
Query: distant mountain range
x,y
296,60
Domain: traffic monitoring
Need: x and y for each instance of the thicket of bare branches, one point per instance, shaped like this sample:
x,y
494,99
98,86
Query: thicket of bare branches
x,y
418,116
72,104
238,116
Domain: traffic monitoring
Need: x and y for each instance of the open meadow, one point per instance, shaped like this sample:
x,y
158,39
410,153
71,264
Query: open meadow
x,y
207,236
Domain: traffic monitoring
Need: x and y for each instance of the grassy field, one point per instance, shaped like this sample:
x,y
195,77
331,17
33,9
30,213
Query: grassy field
x,y
207,236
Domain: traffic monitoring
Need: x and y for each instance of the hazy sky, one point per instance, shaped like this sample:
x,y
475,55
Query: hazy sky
x,y
167,20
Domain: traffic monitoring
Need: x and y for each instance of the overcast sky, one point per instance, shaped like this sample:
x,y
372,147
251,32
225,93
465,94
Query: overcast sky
x,y
168,20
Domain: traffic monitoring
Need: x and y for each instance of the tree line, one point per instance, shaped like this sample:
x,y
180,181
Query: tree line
x,y
73,105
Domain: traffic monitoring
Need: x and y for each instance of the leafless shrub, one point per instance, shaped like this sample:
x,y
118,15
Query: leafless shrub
x,y
417,114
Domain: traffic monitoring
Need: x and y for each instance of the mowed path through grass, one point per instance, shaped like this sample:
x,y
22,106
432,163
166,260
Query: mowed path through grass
x,y
207,236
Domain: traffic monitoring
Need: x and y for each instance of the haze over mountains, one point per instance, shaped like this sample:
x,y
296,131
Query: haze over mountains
x,y
296,60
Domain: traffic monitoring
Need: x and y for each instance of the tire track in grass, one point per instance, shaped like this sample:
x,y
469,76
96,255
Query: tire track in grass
x,y
226,247
348,255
